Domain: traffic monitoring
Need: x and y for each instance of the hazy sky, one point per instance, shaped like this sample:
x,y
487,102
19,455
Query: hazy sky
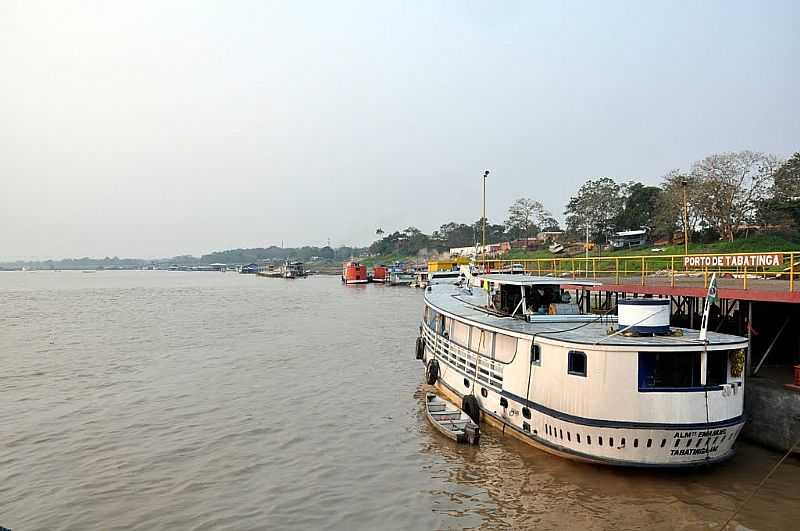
x,y
152,129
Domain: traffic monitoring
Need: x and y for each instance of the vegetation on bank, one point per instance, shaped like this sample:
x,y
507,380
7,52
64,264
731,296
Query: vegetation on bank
x,y
721,201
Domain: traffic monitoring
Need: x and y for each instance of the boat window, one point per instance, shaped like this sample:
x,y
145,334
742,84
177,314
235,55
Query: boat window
x,y
663,443
443,324
600,441
578,435
466,383
636,443
576,363
526,413
432,317
536,355
505,348
611,441
665,370
503,402
588,439
460,333
484,392
717,367
481,341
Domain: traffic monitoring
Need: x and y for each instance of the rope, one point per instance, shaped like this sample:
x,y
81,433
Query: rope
x,y
761,484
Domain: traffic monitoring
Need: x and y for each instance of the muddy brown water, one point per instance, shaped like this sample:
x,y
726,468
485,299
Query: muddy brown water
x,y
216,401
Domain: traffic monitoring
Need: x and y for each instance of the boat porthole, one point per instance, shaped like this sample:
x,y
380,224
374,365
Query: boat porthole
x,y
589,440
484,392
623,442
526,413
600,441
503,402
663,442
466,383
649,443
561,433
611,441
569,437
578,435
636,443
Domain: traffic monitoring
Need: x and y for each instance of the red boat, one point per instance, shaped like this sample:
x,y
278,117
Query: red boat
x,y
354,273
380,273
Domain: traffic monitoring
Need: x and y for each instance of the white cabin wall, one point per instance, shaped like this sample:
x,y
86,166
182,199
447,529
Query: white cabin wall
x,y
610,390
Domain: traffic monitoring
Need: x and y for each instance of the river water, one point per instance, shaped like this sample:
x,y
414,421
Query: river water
x,y
154,400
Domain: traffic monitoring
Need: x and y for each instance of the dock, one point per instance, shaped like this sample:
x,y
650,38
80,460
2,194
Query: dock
x,y
758,298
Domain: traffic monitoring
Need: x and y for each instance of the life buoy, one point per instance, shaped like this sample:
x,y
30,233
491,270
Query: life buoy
x,y
469,404
420,348
432,372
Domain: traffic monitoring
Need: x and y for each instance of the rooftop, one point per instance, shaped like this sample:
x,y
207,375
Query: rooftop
x,y
532,280
583,329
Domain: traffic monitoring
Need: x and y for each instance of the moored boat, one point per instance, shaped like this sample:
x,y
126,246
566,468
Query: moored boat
x,y
628,390
450,420
354,273
380,274
294,270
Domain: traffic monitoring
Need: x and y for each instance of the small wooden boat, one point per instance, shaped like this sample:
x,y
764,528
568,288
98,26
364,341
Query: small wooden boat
x,y
450,420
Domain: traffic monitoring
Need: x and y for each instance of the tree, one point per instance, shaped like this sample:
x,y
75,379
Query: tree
x,y
454,234
550,224
641,204
494,233
598,203
730,188
525,216
782,208
379,232
669,216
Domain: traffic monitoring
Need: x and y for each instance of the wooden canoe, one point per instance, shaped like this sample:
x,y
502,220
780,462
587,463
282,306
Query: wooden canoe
x,y
450,420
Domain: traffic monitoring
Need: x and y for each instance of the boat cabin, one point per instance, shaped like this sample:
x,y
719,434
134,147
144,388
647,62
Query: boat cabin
x,y
518,295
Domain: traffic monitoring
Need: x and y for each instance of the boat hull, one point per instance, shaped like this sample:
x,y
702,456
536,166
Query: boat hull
x,y
497,422
595,441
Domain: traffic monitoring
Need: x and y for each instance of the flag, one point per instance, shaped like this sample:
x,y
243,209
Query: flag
x,y
711,297
712,289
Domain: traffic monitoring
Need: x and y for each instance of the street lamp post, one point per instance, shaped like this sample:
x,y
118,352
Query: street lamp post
x,y
483,246
684,184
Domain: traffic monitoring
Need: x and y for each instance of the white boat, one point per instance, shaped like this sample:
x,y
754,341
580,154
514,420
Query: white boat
x,y
555,248
293,270
450,420
629,391
400,278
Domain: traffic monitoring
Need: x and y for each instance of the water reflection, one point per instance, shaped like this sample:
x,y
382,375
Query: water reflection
x,y
510,485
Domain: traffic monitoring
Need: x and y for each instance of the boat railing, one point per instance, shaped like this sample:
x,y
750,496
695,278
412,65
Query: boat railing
x,y
489,372
745,270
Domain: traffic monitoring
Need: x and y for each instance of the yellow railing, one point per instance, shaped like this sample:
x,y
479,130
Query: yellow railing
x,y
669,270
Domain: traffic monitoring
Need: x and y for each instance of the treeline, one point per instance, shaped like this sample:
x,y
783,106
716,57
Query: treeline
x,y
233,256
258,254
719,197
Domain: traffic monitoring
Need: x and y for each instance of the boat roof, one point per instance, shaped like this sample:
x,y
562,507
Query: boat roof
x,y
637,232
532,280
469,306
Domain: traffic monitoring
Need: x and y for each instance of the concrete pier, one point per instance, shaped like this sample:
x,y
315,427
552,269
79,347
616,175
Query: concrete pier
x,y
773,414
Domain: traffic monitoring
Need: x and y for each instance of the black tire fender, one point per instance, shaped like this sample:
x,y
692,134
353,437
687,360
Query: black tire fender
x,y
469,404
432,372
420,348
